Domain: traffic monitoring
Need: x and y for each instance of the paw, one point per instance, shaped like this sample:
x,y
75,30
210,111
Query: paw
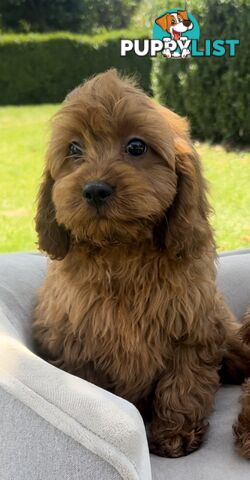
x,y
177,445
185,53
167,53
242,436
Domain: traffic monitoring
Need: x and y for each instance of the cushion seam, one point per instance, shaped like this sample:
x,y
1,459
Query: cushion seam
x,y
57,428
77,421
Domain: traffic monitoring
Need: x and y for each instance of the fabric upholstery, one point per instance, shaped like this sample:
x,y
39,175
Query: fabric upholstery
x,y
32,448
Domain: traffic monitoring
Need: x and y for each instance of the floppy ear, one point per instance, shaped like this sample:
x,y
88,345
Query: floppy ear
x,y
52,238
183,14
186,228
185,18
163,21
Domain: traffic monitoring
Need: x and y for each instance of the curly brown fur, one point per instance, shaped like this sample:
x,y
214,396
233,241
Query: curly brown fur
x,y
130,301
242,426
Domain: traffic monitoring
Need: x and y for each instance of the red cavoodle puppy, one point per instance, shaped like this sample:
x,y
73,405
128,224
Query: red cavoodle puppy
x,y
130,301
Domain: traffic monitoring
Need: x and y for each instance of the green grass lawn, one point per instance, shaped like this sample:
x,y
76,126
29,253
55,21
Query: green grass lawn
x,y
24,135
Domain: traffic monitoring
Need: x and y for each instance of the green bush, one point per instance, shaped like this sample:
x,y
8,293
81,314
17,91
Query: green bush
x,y
212,92
71,15
148,10
43,68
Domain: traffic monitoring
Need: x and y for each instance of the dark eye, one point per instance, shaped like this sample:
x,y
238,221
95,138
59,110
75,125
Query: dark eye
x,y
173,21
136,147
75,149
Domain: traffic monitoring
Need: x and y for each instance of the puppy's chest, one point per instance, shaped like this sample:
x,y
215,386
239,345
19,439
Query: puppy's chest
x,y
105,310
120,323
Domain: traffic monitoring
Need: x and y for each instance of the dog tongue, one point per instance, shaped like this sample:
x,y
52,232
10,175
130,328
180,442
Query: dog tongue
x,y
176,35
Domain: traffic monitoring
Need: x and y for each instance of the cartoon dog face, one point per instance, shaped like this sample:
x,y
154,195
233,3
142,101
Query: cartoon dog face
x,y
175,23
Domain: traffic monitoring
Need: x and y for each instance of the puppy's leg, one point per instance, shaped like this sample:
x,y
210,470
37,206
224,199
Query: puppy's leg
x,y
242,426
236,360
48,343
183,398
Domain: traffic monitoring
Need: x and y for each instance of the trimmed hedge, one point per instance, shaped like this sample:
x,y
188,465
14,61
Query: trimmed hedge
x,y
213,92
41,68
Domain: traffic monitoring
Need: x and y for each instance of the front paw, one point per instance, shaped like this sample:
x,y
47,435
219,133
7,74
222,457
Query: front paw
x,y
185,53
167,53
166,445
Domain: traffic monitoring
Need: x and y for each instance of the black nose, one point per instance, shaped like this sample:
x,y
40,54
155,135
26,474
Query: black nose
x,y
96,193
187,23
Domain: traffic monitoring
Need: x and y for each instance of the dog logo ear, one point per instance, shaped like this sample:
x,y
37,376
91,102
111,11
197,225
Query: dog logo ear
x,y
52,238
163,21
184,15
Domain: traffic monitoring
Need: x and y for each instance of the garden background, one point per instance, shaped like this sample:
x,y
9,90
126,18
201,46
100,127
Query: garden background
x,y
47,48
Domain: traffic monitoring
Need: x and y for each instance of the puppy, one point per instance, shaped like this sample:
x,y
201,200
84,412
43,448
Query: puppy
x,y
130,301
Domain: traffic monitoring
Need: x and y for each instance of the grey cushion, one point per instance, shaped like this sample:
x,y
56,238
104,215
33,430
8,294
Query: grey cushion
x,y
56,426
34,449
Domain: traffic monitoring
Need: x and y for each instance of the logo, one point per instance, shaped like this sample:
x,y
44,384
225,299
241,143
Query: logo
x,y
176,28
176,34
